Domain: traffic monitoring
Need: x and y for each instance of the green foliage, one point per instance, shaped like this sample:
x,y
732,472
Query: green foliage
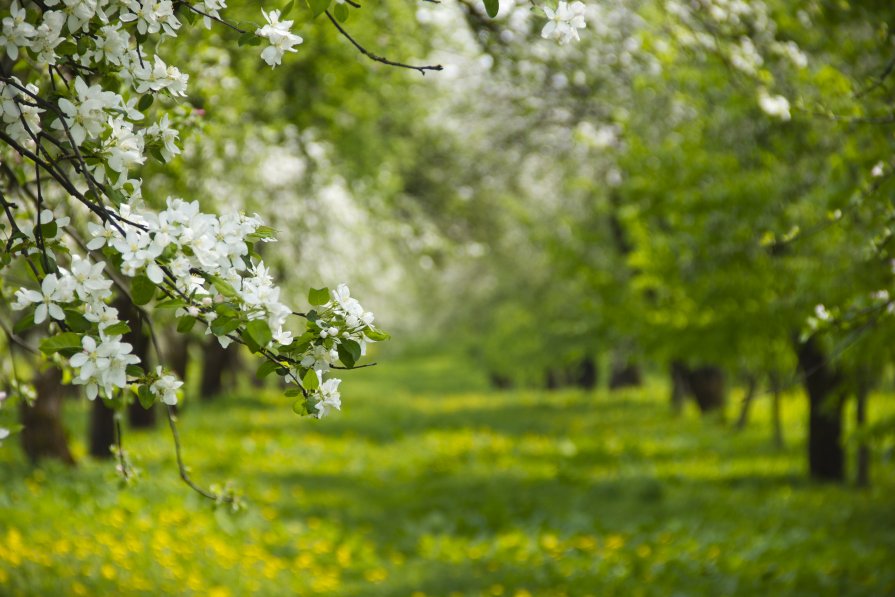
x,y
142,290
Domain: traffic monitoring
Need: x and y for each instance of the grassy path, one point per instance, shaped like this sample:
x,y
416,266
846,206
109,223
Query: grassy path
x,y
431,484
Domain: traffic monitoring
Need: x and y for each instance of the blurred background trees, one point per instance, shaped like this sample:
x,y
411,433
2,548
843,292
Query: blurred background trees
x,y
697,190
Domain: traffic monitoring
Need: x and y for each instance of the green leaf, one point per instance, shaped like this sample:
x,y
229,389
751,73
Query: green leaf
x,y
349,352
340,11
259,331
287,9
293,392
310,381
146,397
60,342
246,38
117,329
145,102
66,48
376,335
222,286
170,304
318,7
142,290
226,310
135,371
76,321
266,368
318,296
250,343
185,324
491,7
49,230
224,325
25,323
300,407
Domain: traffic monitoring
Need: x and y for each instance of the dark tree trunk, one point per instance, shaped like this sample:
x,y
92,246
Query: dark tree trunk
x,y
679,387
217,361
552,379
501,382
43,435
752,386
863,473
179,355
102,429
585,375
137,416
624,373
707,387
776,422
826,457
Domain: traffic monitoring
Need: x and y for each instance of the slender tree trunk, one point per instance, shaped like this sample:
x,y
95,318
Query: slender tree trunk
x,y
863,473
707,385
624,373
776,422
137,416
826,457
43,435
679,389
752,386
102,429
217,362
585,374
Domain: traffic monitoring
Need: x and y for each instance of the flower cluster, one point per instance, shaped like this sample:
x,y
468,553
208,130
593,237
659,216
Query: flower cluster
x,y
281,39
564,22
338,330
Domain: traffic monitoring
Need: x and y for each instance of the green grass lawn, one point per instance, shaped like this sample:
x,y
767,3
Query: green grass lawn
x,y
430,483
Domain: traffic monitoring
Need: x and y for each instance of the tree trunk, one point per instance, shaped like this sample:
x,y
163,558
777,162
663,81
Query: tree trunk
x,y
137,416
707,386
752,386
585,375
624,373
863,473
826,458
776,422
217,361
102,429
679,388
43,435
552,379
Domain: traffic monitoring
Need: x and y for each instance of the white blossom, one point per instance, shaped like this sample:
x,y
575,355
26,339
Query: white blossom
x,y
564,22
165,389
279,36
774,105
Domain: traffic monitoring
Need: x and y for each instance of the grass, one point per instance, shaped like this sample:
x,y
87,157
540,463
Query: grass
x,y
429,483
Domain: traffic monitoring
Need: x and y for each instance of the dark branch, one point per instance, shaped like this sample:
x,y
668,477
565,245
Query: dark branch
x,y
421,69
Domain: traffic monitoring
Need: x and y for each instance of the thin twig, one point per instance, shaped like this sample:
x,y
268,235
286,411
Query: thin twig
x,y
421,69
184,475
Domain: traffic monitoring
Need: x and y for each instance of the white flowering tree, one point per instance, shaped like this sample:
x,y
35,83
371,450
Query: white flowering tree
x,y
89,99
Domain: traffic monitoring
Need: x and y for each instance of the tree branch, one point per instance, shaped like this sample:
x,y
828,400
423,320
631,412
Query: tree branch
x,y
421,69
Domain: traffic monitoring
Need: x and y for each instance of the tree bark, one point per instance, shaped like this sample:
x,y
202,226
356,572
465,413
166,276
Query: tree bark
x,y
752,386
826,457
625,373
863,463
585,375
707,385
137,416
44,435
217,361
679,387
776,421
102,429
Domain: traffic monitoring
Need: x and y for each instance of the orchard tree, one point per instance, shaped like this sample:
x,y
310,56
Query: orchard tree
x,y
90,101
